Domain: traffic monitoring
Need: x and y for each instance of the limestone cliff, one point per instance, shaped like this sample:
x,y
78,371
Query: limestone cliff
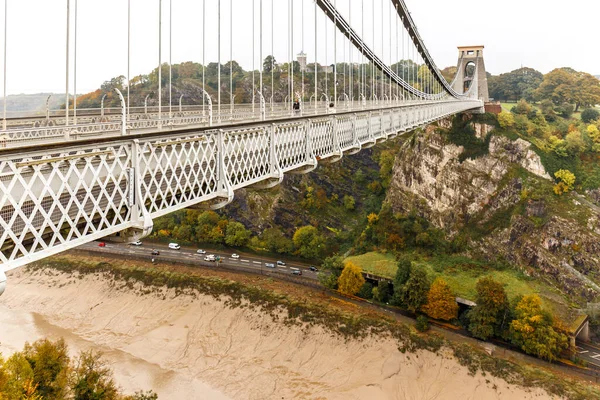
x,y
503,203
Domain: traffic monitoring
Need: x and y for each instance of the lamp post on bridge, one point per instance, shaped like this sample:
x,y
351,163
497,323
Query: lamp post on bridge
x,y
67,64
5,41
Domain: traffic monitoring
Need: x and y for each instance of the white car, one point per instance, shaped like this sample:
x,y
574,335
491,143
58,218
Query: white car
x,y
235,255
137,243
200,251
174,246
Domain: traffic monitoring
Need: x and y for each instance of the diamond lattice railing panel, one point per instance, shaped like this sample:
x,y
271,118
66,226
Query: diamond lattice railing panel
x,y
247,156
345,132
361,124
177,171
74,195
290,145
322,137
376,130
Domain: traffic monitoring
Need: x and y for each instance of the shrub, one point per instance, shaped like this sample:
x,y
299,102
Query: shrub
x,y
422,323
589,115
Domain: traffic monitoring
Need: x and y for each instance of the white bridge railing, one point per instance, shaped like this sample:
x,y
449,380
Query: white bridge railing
x,y
63,195
35,131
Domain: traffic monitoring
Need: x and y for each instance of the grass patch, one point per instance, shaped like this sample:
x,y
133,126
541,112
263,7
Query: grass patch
x,y
380,264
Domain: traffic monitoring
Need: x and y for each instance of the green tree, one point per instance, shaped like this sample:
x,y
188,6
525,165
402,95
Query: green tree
x,y
414,293
236,234
441,302
515,85
422,323
489,316
590,114
404,266
351,280
366,291
349,203
382,292
269,64
50,364
276,242
331,269
92,379
575,143
532,330
309,243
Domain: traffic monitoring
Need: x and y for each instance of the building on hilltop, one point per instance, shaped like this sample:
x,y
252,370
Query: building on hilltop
x,y
302,61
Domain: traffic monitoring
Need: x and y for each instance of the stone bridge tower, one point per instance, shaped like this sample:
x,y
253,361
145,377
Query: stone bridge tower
x,y
468,56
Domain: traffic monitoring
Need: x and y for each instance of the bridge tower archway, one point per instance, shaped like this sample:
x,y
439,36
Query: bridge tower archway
x,y
470,57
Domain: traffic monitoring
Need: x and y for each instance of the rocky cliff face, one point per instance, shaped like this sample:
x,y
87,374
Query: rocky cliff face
x,y
429,176
503,202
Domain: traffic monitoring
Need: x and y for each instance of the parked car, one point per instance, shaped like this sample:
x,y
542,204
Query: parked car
x,y
313,268
297,272
136,243
269,265
200,251
281,263
235,255
174,246
155,253
101,244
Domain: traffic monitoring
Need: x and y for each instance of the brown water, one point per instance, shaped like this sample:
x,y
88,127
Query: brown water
x,y
131,373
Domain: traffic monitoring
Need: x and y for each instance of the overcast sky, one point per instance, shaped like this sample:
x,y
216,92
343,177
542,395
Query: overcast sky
x,y
542,34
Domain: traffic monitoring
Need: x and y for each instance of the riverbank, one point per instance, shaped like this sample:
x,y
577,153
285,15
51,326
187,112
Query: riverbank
x,y
251,342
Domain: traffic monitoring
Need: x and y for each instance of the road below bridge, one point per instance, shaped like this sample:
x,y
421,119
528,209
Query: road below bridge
x,y
189,256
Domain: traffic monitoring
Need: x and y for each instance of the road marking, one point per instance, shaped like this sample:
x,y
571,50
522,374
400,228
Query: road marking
x,y
583,352
256,262
595,356
244,261
279,266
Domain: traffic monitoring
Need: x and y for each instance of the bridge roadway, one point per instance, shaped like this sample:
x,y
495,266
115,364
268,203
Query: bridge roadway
x,y
57,196
27,131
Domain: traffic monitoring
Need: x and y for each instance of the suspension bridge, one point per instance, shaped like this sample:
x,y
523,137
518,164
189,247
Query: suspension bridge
x,y
72,176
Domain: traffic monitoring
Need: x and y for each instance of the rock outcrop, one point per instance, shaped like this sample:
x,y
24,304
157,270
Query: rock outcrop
x,y
491,191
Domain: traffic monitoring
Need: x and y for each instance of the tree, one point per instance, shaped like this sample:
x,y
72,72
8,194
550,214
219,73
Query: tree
x,y
308,242
382,292
565,85
366,291
574,143
515,85
506,119
422,323
402,274
489,316
50,365
236,234
441,302
351,280
588,115
92,378
532,330
349,202
269,64
276,242
522,108
566,181
331,269
414,293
